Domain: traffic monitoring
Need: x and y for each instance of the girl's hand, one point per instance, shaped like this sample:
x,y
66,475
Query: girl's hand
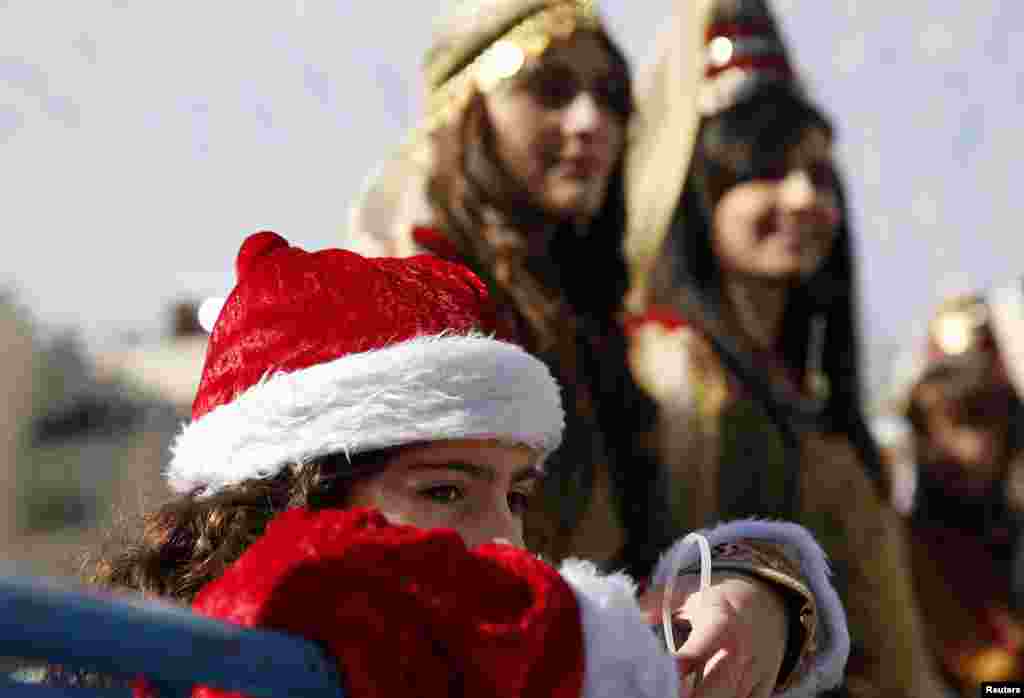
x,y
739,630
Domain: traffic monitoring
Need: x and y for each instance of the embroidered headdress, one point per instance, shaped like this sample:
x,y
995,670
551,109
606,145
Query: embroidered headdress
x,y
477,46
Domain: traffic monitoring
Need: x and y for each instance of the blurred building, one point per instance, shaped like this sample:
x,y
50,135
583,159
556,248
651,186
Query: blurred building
x,y
85,436
167,371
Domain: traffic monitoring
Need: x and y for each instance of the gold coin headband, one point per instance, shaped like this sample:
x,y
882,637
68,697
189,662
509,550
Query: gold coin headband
x,y
507,55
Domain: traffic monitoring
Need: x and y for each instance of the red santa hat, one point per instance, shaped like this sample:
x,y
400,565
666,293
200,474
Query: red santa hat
x,y
328,352
408,611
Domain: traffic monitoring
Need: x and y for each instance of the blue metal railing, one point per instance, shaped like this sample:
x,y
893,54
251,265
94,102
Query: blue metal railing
x,y
173,648
10,689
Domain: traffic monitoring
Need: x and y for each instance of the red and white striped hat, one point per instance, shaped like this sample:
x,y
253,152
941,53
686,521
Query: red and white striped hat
x,y
743,50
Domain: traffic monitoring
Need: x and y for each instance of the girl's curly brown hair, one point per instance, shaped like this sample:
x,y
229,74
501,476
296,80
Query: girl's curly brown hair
x,y
191,541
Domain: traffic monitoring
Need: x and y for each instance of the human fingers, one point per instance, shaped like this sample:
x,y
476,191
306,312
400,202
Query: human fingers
x,y
724,640
763,688
758,630
722,677
716,625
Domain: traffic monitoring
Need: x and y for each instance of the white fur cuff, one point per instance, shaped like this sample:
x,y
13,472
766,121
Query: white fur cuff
x,y
829,663
623,656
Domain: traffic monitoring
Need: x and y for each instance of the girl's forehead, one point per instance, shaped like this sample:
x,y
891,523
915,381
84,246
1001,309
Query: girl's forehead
x,y
739,145
480,451
583,52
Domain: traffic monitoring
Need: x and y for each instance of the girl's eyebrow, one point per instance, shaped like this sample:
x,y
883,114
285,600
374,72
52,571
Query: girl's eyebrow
x,y
479,472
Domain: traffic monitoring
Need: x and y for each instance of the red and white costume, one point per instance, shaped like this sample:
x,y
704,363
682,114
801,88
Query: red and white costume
x,y
327,352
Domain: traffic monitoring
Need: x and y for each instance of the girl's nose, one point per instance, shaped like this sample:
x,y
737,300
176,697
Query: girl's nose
x,y
584,115
497,523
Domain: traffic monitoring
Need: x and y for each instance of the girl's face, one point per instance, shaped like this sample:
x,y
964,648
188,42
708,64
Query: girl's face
x,y
479,488
559,125
782,224
970,439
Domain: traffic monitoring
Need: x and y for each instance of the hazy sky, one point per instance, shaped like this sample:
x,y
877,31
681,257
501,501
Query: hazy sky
x,y
140,141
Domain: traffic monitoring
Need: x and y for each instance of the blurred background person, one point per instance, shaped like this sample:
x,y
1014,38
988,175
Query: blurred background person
x,y
961,472
744,279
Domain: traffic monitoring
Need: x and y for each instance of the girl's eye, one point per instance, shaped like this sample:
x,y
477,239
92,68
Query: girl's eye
x,y
556,88
443,494
518,502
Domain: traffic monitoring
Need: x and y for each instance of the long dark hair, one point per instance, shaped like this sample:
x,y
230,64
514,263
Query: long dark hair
x,y
565,307
730,148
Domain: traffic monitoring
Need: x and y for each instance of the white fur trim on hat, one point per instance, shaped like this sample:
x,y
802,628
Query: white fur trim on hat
x,y
425,389
829,662
623,656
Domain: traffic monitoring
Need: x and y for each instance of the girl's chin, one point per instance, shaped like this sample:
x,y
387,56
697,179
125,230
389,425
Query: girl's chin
x,y
573,210
793,265
575,200
781,270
